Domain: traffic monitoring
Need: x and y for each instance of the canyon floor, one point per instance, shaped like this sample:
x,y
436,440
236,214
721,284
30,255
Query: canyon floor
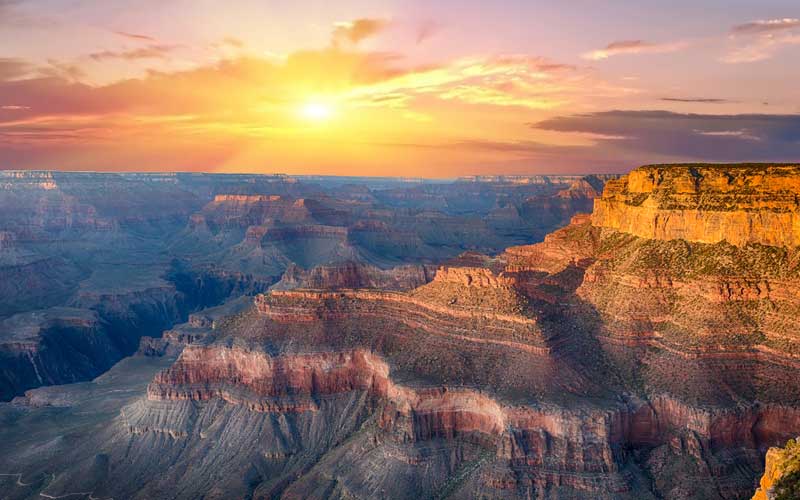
x,y
317,338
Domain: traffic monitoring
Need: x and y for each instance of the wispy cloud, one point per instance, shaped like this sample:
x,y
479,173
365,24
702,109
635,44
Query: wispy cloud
x,y
136,36
766,26
743,137
149,52
427,30
11,68
696,100
627,47
353,32
761,40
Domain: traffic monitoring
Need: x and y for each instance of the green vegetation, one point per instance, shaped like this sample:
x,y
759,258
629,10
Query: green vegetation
x,y
692,260
720,166
787,487
501,300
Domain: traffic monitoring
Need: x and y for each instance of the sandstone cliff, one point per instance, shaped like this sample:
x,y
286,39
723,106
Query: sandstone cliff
x,y
781,479
600,363
740,204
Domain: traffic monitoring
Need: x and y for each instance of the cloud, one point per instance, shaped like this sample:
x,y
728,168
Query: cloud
x,y
761,40
246,103
761,48
698,100
427,30
231,89
745,137
624,47
61,70
136,36
509,80
155,51
241,94
233,42
766,26
353,32
11,68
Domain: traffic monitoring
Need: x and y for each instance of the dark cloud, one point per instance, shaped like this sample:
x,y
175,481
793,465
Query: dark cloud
x,y
756,137
136,36
11,68
766,26
354,32
154,51
427,30
700,100
627,44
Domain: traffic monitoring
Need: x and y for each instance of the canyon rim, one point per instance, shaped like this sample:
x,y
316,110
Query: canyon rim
x,y
399,249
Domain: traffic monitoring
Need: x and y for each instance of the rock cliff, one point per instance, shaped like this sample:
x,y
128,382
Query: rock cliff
x,y
355,275
781,479
739,204
629,355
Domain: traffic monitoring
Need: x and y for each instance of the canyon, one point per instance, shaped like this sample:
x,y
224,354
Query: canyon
x,y
480,339
92,262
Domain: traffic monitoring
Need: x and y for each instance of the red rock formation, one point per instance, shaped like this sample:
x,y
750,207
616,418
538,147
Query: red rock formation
x,y
473,277
355,275
580,447
740,204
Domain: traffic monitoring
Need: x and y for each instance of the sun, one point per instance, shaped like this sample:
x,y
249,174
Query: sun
x,y
316,111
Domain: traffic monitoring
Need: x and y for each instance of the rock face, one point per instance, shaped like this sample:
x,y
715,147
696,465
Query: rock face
x,y
355,275
739,204
143,250
623,357
781,479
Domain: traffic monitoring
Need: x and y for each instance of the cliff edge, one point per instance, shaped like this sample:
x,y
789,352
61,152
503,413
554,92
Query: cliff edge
x,y
740,203
781,479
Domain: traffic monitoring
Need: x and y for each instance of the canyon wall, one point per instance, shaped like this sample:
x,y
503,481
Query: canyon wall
x,y
781,479
739,204
531,447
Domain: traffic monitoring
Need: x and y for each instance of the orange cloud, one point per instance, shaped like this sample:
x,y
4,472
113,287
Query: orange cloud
x,y
761,40
625,47
243,111
353,32
154,51
766,26
136,36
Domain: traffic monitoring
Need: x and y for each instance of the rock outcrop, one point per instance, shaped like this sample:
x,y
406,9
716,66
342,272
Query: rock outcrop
x,y
781,479
627,356
739,204
350,275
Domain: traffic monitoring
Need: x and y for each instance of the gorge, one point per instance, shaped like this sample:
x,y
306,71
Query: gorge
x,y
649,349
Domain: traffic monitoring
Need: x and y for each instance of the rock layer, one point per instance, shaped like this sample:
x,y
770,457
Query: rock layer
x,y
740,204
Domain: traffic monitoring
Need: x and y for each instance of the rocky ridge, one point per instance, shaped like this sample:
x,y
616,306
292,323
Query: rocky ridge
x,y
599,363
781,479
739,204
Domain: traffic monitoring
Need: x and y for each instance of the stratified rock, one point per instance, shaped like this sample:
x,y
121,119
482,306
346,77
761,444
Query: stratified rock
x,y
739,204
622,357
355,275
781,479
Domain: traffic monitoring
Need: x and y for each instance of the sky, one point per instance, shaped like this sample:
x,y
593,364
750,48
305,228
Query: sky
x,y
389,87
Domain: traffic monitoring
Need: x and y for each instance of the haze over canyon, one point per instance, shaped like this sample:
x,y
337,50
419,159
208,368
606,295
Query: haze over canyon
x,y
451,249
246,336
